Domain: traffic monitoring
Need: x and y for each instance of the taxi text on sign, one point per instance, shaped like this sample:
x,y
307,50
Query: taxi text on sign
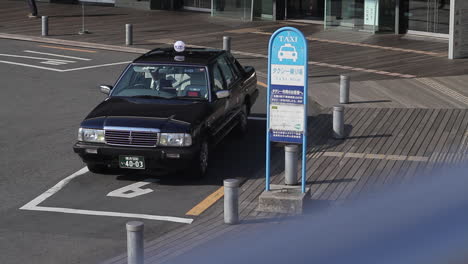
x,y
287,86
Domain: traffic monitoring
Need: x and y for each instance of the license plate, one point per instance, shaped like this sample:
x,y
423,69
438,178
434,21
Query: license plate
x,y
132,162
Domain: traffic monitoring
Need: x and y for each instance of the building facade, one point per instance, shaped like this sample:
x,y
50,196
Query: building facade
x,y
425,17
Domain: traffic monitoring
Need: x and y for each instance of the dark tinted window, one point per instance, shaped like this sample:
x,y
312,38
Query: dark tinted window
x,y
218,81
226,70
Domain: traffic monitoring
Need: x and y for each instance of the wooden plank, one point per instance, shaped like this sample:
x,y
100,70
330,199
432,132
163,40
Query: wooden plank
x,y
376,121
368,166
372,173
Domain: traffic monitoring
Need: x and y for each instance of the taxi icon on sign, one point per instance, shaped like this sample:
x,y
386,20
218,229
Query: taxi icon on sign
x,y
288,52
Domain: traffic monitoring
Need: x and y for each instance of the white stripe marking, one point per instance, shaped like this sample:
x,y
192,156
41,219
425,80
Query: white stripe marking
x,y
31,66
57,187
56,55
67,70
257,118
33,205
33,58
115,214
96,66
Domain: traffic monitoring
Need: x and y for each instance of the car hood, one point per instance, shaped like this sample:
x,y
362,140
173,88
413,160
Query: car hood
x,y
150,113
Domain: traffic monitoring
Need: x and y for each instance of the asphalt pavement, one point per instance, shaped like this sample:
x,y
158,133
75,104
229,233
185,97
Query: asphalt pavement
x,y
55,211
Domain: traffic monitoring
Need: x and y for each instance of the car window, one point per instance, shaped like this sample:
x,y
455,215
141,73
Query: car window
x,y
226,70
166,81
235,66
218,79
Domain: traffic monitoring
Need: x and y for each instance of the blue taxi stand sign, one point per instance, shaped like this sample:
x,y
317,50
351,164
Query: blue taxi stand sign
x,y
287,93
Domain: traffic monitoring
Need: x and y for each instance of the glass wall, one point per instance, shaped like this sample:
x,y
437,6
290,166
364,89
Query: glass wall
x,y
429,16
364,15
238,9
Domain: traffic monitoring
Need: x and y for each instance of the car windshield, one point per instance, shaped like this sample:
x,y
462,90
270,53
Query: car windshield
x,y
163,81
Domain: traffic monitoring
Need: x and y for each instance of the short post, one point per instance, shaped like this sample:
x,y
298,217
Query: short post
x,y
227,43
338,122
291,155
231,201
135,242
128,34
344,89
45,26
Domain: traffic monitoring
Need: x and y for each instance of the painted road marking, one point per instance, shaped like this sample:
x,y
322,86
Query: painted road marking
x,y
34,58
56,55
132,190
34,205
207,202
31,66
97,66
262,84
63,48
67,70
372,156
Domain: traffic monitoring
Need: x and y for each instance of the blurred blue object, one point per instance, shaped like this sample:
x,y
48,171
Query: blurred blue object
x,y
421,223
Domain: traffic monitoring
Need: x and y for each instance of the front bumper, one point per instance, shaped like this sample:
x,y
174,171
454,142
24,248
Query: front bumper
x,y
158,158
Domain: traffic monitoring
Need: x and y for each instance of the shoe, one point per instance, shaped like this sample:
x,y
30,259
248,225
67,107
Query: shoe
x,y
33,16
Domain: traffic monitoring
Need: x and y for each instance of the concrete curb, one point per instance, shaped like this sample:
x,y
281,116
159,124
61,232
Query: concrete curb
x,y
73,43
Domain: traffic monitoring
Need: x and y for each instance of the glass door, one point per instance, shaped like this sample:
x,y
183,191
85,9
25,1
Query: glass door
x,y
198,5
430,16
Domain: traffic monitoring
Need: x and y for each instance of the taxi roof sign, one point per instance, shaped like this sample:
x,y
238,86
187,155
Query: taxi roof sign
x,y
179,46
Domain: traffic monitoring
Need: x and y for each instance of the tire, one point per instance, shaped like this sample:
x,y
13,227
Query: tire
x,y
200,165
97,168
241,129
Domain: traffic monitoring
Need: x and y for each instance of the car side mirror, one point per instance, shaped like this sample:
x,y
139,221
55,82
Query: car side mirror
x,y
249,70
105,89
223,94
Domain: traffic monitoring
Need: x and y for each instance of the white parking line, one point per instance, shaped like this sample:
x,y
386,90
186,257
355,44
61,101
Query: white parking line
x,y
31,66
56,55
34,205
96,66
34,58
67,70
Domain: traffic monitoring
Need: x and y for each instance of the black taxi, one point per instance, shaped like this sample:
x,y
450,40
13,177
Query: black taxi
x,y
166,111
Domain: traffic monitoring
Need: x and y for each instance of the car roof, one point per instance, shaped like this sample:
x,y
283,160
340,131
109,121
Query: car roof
x,y
199,56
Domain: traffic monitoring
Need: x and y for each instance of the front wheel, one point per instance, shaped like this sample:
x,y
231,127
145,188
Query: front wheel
x,y
241,128
200,165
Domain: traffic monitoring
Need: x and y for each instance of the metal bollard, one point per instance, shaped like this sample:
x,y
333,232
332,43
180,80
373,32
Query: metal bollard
x,y
45,26
227,43
135,242
338,122
344,89
231,201
291,154
128,34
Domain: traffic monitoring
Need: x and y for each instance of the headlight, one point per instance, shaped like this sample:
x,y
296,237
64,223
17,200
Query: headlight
x,y
91,135
175,140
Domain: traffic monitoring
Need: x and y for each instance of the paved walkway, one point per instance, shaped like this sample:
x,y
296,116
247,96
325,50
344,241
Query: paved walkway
x,y
408,113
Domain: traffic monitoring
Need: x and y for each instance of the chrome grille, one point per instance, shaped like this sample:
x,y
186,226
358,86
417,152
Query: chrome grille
x,y
131,138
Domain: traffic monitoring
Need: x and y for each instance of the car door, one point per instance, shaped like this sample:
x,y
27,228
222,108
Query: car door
x,y
217,120
234,85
